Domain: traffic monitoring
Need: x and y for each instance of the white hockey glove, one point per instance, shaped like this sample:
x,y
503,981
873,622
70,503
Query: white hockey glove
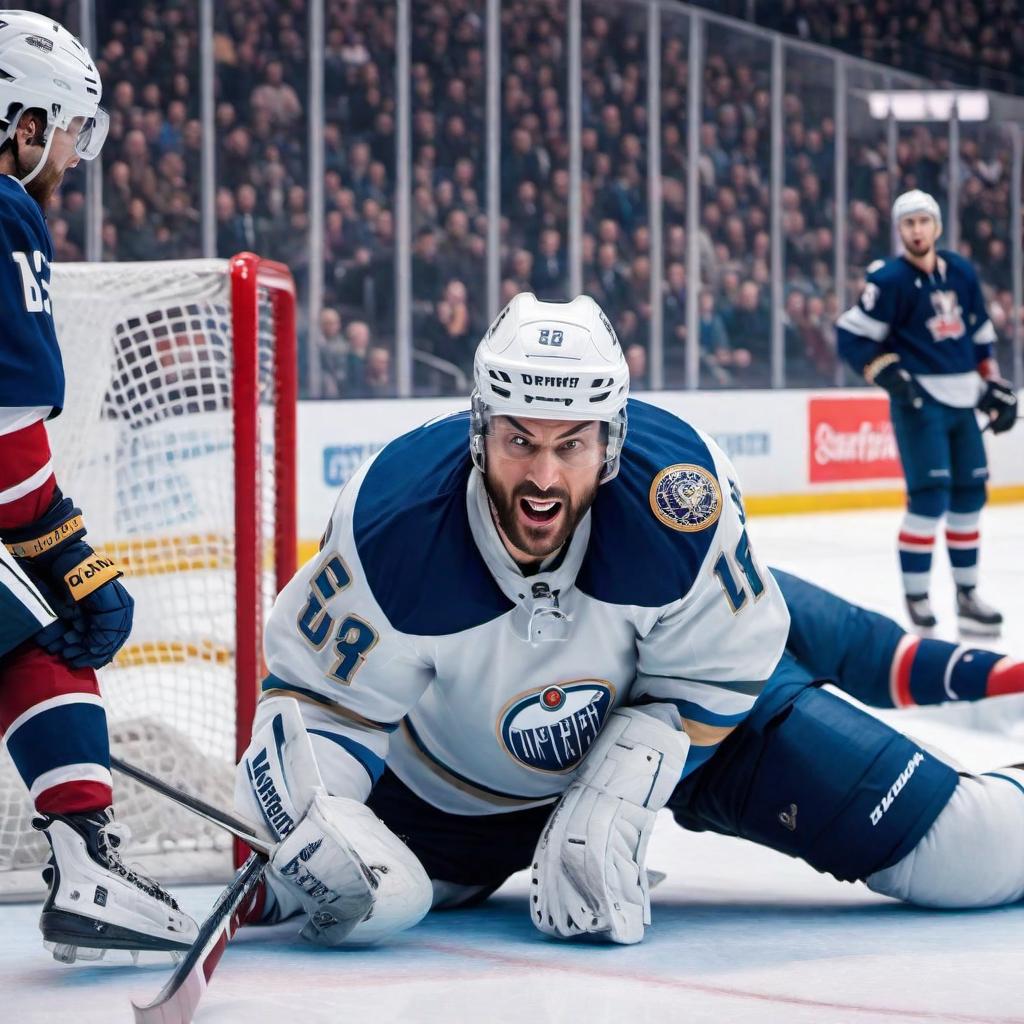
x,y
357,882
588,874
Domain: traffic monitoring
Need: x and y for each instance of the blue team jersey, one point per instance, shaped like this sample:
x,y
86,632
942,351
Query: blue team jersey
x,y
936,323
31,371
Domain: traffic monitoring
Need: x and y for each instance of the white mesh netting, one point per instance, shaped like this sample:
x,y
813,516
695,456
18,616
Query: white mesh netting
x,y
145,447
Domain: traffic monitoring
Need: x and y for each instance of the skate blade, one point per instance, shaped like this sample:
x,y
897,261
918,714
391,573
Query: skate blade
x,y
970,628
67,953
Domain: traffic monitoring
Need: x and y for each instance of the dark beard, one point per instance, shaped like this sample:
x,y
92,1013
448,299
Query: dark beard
x,y
505,508
43,185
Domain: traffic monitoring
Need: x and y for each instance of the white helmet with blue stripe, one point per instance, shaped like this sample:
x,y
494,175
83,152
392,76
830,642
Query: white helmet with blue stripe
x,y
916,201
42,65
551,360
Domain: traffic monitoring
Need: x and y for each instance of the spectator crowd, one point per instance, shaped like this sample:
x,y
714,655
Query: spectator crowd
x,y
972,42
148,54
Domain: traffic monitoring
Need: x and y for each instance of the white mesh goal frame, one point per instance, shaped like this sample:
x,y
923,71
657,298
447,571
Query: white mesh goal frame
x,y
177,441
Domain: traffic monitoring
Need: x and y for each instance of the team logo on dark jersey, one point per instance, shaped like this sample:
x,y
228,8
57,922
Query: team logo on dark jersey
x,y
948,321
551,728
686,498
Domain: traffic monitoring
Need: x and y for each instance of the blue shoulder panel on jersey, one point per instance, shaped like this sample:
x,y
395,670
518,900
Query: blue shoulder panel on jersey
x,y
413,536
893,271
957,262
31,372
634,556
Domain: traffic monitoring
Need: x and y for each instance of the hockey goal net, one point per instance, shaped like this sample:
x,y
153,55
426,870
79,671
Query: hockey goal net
x,y
178,443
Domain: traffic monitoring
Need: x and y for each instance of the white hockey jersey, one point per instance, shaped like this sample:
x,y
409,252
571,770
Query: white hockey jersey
x,y
413,639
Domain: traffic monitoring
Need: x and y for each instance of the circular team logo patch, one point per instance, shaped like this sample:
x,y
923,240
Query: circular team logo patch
x,y
551,728
686,498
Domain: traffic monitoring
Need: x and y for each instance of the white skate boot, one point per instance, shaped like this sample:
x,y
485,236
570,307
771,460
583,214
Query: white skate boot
x,y
96,902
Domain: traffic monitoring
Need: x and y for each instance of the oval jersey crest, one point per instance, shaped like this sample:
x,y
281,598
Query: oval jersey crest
x,y
686,498
551,728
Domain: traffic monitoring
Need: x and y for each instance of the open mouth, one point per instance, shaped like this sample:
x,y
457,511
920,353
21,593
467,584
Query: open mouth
x,y
538,511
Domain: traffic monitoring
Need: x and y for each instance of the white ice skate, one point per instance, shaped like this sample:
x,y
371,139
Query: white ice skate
x,y
96,902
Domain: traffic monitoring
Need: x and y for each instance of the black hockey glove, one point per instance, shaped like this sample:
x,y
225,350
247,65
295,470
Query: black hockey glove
x,y
999,404
94,610
901,385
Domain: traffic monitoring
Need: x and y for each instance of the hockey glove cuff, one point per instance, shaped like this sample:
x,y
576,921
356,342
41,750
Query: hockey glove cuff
x,y
94,609
887,373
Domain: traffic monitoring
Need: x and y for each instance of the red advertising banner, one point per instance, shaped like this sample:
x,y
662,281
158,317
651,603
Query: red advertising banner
x,y
851,439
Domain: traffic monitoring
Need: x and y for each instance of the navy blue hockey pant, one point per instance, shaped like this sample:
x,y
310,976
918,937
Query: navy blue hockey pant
x,y
807,774
943,457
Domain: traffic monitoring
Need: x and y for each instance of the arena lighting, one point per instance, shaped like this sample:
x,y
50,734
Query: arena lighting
x,y
928,105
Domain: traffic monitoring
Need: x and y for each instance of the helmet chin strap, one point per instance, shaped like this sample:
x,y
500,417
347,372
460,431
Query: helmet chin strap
x,y
42,160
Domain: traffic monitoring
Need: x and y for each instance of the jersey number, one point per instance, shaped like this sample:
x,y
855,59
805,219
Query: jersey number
x,y
735,592
353,639
35,284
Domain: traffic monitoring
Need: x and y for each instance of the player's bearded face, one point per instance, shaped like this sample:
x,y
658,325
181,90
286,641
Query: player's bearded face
x,y
59,159
919,233
542,476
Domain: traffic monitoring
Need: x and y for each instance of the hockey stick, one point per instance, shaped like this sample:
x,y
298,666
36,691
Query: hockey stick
x,y
178,999
239,827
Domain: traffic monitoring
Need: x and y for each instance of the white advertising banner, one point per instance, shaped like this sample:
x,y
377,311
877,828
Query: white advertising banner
x,y
783,443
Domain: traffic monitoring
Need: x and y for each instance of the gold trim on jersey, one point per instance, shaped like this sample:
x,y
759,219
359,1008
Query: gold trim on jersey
x,y
332,706
702,735
464,785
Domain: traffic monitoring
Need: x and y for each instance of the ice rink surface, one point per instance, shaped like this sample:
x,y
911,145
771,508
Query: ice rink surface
x,y
740,933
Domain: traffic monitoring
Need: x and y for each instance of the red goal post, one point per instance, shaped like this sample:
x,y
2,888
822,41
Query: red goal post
x,y
250,273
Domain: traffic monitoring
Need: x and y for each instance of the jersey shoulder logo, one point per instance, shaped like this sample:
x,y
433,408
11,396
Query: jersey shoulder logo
x,y
686,497
948,321
552,727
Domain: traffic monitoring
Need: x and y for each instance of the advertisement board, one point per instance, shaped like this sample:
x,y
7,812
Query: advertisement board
x,y
851,438
793,450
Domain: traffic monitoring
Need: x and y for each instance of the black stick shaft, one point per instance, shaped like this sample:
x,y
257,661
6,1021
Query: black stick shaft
x,y
245,830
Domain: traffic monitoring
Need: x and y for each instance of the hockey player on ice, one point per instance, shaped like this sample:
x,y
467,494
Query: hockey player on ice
x,y
533,625
920,330
63,610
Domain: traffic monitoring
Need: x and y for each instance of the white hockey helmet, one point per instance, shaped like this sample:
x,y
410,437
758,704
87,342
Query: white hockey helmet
x,y
551,360
916,201
43,65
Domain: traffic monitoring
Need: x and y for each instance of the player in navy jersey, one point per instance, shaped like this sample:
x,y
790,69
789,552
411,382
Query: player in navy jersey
x,y
920,330
533,624
63,610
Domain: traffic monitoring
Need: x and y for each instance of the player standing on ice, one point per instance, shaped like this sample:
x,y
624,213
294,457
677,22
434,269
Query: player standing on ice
x,y
63,611
921,331
514,652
